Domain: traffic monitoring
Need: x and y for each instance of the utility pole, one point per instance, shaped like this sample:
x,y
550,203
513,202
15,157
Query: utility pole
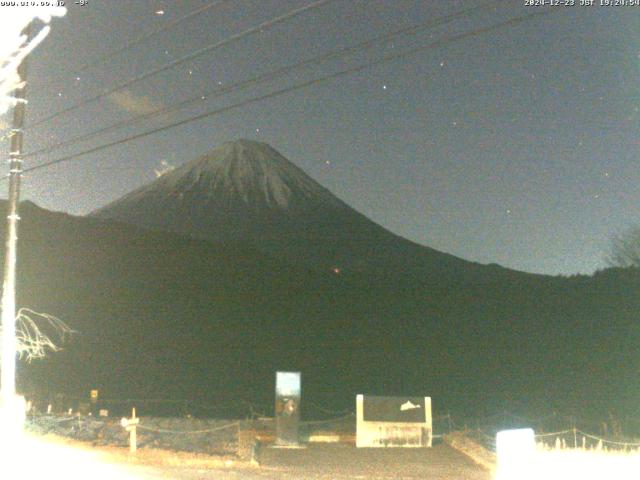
x,y
9,341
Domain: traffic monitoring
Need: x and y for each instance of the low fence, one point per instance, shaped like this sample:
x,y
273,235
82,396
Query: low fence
x,y
568,453
213,437
523,456
197,427
553,430
208,436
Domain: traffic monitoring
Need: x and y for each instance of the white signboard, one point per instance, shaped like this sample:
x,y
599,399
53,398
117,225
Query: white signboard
x,y
393,421
288,384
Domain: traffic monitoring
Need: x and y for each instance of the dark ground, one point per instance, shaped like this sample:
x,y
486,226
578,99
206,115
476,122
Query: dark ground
x,y
334,461
212,455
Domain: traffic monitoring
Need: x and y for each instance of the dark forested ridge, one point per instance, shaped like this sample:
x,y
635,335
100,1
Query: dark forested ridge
x,y
160,315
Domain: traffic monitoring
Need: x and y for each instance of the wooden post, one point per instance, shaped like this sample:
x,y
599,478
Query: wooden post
x,y
129,425
133,438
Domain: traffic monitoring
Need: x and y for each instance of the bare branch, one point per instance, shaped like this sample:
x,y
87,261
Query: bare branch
x,y
625,249
31,326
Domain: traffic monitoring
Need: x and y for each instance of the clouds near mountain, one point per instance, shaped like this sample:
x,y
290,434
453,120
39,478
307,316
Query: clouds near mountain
x,y
132,103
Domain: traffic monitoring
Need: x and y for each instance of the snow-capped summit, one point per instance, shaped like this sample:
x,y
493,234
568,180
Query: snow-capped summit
x,y
251,172
239,184
247,191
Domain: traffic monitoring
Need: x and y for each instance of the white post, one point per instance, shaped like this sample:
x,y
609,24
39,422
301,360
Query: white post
x,y
129,425
9,342
133,440
11,418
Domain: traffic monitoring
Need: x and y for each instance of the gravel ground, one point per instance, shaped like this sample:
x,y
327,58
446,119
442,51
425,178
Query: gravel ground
x,y
70,460
335,461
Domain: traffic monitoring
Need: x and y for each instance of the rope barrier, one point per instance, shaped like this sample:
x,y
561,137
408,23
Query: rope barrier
x,y
588,435
493,421
563,432
453,424
51,419
441,417
611,442
190,432
140,400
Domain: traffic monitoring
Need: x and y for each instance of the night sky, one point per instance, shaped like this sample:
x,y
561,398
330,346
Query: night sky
x,y
517,145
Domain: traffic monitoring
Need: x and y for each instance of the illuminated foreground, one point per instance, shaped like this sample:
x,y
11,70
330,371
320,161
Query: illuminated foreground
x,y
579,464
36,457
53,458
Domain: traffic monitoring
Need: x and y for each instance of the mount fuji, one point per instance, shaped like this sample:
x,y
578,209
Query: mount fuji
x,y
247,192
204,283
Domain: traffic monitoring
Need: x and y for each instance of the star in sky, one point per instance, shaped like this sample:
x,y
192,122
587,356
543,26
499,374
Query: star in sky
x,y
545,117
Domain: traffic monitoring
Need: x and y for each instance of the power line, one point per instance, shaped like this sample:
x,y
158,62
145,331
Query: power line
x,y
316,81
268,76
233,38
145,36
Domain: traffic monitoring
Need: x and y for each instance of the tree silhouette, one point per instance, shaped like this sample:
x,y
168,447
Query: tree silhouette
x,y
38,333
625,249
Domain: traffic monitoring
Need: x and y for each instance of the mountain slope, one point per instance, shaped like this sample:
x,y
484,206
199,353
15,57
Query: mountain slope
x,y
248,192
163,316
211,311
